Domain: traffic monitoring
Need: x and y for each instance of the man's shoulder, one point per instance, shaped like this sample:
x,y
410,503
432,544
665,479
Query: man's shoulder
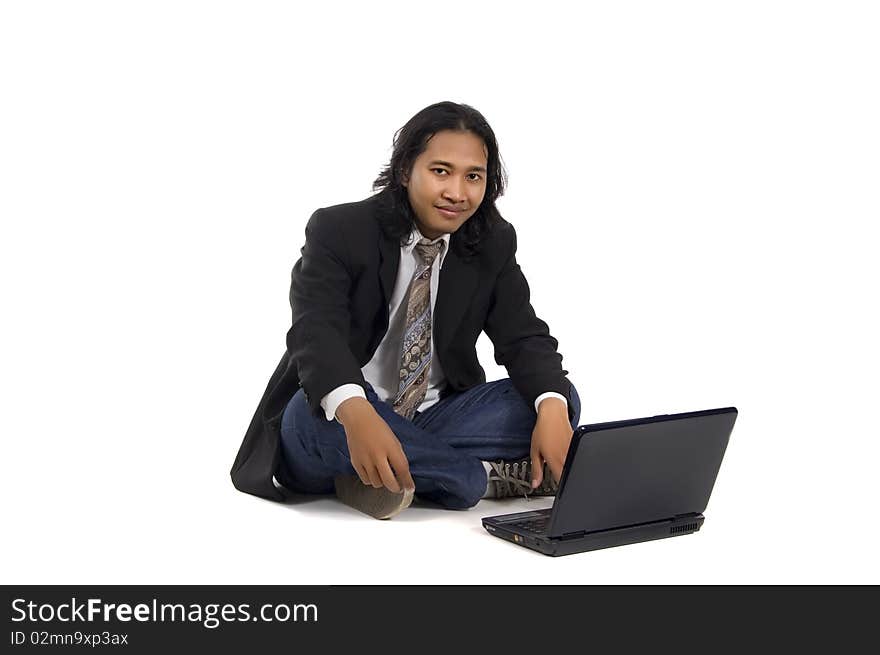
x,y
352,209
357,216
499,242
502,232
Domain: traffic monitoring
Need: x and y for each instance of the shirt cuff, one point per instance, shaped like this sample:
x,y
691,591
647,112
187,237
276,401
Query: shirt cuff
x,y
550,394
334,399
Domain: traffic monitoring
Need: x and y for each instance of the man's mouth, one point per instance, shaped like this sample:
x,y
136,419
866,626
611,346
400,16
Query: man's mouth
x,y
448,211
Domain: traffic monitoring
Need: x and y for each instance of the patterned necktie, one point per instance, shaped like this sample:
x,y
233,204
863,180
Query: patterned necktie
x,y
415,359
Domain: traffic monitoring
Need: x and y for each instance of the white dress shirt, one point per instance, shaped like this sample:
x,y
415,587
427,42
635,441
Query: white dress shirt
x,y
382,371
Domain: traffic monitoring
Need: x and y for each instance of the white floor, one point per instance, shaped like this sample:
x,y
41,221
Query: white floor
x,y
140,516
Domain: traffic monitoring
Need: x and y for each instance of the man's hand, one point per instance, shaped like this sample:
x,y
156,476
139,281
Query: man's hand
x,y
375,451
550,440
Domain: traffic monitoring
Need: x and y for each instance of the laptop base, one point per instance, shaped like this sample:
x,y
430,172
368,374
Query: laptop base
x,y
583,542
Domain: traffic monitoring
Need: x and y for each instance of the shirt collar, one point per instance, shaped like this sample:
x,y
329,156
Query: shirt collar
x,y
416,236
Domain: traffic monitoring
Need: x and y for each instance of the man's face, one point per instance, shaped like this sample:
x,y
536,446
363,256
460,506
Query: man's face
x,y
450,173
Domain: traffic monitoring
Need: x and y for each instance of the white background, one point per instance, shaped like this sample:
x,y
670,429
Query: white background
x,y
695,190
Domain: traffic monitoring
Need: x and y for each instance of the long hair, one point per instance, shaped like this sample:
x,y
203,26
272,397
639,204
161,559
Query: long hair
x,y
410,141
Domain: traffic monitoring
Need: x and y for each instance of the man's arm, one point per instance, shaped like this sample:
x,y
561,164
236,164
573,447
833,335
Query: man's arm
x,y
331,402
550,394
523,344
319,289
318,342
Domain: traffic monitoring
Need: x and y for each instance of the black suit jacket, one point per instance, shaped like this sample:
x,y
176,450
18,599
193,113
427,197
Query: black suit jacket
x,y
339,294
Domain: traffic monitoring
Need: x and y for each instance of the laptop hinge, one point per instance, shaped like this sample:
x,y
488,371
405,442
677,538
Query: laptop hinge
x,y
573,535
689,515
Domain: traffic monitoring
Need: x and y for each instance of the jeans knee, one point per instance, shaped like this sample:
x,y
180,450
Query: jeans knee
x,y
296,412
575,406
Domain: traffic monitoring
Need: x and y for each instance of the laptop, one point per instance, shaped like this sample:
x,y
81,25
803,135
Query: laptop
x,y
626,482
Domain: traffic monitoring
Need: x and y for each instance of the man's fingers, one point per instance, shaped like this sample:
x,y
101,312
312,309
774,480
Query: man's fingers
x,y
555,469
375,478
537,469
401,468
388,478
362,474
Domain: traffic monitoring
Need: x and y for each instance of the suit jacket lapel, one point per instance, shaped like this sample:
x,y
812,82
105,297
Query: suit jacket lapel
x,y
389,253
458,282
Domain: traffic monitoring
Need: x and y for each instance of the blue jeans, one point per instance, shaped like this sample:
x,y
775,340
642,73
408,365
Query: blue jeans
x,y
444,444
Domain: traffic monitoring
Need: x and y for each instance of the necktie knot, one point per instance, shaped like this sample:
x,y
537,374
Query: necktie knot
x,y
429,251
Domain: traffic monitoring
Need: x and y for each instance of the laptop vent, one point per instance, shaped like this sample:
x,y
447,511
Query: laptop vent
x,y
687,527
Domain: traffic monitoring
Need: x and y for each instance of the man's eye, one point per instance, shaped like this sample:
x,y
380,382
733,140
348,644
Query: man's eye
x,y
476,176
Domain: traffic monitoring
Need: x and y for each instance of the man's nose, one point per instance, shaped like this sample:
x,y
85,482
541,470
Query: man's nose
x,y
455,190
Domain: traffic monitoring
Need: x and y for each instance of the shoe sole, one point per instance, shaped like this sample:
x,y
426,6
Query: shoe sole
x,y
378,503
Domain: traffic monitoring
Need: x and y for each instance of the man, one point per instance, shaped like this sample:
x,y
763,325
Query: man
x,y
380,395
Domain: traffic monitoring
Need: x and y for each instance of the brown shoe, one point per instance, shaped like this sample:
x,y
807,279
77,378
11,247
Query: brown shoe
x,y
378,503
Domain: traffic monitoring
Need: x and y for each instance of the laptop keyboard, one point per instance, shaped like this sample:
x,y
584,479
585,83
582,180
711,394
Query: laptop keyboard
x,y
535,524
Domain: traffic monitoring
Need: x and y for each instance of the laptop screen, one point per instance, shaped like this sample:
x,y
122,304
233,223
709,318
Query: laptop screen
x,y
641,470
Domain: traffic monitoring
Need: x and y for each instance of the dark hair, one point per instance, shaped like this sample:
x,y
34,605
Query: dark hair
x,y
410,141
